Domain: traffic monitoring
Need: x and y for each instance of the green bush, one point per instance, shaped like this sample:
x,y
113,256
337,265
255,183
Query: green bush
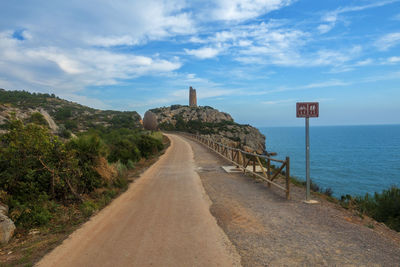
x,y
33,162
64,133
149,146
121,168
383,207
38,118
130,165
124,150
63,113
88,208
37,170
88,149
31,214
71,125
121,182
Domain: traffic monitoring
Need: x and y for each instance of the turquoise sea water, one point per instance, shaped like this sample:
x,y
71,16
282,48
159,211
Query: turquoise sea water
x,y
348,159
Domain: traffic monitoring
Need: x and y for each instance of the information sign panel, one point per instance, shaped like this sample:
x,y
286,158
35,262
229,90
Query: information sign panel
x,y
307,109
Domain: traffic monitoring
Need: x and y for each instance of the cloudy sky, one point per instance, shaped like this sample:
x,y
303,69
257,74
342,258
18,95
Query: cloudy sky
x,y
251,58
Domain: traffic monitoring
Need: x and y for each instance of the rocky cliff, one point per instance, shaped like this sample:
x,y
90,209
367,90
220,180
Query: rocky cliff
x,y
212,123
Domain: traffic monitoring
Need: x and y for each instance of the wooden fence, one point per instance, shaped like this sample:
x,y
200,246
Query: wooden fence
x,y
242,160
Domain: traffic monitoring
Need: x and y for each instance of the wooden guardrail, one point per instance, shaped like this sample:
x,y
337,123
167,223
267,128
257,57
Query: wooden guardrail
x,y
243,159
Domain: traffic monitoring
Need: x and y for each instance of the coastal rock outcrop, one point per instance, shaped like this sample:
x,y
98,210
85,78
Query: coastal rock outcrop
x,y
150,121
211,123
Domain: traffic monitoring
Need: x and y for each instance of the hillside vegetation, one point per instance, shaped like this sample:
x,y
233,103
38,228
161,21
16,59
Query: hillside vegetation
x,y
68,117
48,178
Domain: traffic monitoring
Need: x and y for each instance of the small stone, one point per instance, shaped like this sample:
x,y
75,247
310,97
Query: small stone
x,y
34,232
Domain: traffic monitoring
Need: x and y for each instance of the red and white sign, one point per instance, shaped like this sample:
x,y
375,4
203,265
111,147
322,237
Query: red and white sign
x,y
307,109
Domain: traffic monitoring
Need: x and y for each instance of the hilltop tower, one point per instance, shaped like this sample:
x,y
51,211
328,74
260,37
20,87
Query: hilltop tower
x,y
192,97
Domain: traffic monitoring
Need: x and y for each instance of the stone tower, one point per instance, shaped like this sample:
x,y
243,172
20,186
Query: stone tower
x,y
192,97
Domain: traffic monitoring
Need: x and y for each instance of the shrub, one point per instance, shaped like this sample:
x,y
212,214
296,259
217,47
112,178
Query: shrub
x,y
88,208
63,113
328,192
130,165
31,214
123,150
88,149
383,207
33,162
71,125
121,168
64,133
149,146
38,118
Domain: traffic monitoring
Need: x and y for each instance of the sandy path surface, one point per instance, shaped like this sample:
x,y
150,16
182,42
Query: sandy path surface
x,y
162,220
268,230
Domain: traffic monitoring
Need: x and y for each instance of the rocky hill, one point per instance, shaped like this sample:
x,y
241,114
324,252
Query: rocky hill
x,y
61,116
210,122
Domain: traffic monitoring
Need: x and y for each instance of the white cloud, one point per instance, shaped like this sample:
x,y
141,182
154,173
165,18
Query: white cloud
x,y
363,7
73,69
316,85
365,62
277,102
394,59
84,100
203,53
112,41
195,39
271,44
102,22
387,41
324,28
331,83
329,22
330,19
237,10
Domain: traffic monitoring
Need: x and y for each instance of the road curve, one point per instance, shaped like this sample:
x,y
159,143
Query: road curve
x,y
163,219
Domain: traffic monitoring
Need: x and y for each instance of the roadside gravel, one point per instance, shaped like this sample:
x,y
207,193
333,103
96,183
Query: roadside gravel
x,y
268,230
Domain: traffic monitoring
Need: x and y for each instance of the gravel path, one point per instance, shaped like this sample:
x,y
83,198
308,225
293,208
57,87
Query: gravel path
x,y
268,230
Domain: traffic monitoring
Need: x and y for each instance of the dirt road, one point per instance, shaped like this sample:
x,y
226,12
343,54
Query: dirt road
x,y
268,230
162,220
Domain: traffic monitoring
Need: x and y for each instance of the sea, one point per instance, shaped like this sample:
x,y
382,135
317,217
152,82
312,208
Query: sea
x,y
351,160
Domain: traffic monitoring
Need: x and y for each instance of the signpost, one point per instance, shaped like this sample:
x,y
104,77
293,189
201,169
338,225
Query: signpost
x,y
307,110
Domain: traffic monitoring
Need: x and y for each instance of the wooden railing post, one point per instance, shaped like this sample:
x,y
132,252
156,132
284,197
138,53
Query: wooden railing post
x,y
287,178
269,171
254,166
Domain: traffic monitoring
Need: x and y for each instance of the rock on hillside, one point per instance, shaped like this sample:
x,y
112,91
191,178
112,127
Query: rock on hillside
x,y
7,226
61,115
204,114
212,123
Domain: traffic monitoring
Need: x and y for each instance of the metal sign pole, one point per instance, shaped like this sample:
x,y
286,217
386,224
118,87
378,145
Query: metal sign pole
x,y
307,110
307,160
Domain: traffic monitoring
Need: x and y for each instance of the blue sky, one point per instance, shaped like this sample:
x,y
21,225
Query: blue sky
x,y
252,59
